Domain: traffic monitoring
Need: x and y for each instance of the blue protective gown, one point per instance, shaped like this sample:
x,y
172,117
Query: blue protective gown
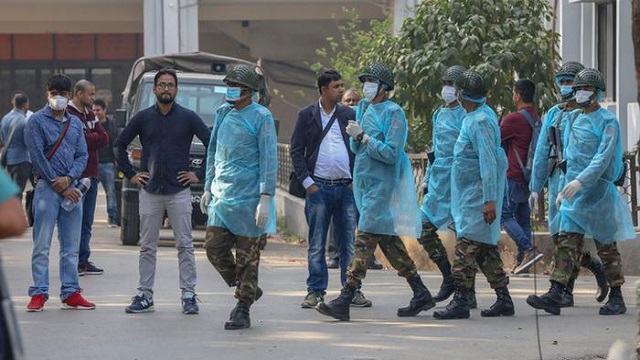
x,y
478,175
594,157
242,163
436,205
383,184
558,118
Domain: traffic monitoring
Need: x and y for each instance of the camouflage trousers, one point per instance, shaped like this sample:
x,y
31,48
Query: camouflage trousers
x,y
393,249
471,255
584,257
431,242
570,255
240,271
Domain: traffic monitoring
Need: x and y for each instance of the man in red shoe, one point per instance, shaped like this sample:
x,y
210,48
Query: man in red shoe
x,y
58,151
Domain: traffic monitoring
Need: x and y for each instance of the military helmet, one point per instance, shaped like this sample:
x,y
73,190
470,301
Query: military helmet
x,y
570,69
379,71
452,73
244,74
471,83
589,77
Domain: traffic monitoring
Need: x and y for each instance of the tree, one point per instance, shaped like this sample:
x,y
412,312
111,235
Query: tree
x,y
502,39
356,46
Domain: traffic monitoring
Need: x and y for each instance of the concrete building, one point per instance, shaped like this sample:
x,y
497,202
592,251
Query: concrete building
x,y
99,40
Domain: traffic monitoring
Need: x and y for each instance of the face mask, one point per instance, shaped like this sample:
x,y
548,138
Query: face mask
x,y
58,102
354,107
584,98
233,94
566,90
370,90
448,94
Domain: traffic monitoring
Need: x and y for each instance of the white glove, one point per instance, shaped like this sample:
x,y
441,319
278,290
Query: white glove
x,y
423,187
568,192
204,202
354,129
570,189
262,211
533,201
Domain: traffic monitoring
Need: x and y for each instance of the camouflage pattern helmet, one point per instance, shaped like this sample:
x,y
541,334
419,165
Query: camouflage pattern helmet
x,y
589,77
570,69
471,84
244,74
452,73
380,72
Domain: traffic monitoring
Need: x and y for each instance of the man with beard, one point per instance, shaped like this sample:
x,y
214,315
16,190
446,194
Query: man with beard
x,y
165,130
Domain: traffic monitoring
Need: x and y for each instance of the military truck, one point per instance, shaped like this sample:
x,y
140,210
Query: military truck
x,y
201,89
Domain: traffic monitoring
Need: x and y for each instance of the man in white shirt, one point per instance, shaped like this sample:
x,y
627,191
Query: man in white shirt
x,y
323,164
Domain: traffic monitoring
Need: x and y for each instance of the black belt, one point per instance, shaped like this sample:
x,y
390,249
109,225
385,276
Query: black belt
x,y
332,182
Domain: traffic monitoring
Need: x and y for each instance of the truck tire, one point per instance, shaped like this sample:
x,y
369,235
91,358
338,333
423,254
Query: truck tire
x,y
130,216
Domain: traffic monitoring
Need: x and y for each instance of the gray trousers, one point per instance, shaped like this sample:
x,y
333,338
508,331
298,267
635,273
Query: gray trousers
x,y
152,208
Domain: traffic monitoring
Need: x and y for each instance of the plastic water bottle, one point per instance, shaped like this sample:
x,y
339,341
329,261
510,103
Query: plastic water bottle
x,y
83,185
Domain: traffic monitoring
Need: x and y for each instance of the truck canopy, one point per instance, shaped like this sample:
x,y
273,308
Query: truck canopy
x,y
191,62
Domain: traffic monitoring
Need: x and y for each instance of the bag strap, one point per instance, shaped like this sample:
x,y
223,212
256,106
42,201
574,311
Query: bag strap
x,y
527,116
59,140
326,128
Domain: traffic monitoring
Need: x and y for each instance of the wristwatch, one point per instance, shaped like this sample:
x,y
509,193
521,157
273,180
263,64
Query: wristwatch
x,y
359,137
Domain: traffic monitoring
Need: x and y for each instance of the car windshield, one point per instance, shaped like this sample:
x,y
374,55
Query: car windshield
x,y
202,98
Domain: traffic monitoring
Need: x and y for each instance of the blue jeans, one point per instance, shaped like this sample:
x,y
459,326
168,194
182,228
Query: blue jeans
x,y
331,202
516,215
48,213
88,212
107,179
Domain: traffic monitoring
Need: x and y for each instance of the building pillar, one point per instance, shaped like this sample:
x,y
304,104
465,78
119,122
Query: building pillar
x,y
626,91
170,26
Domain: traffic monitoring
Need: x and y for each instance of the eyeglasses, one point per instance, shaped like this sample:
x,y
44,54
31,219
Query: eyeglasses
x,y
169,86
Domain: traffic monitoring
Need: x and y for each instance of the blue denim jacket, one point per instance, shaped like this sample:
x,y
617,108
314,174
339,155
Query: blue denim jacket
x,y
41,133
17,150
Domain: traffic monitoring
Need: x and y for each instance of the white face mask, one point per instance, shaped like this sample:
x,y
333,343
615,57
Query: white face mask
x,y
583,97
448,94
58,102
370,90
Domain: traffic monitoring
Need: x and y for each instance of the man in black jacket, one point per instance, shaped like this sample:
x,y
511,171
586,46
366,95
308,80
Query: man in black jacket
x,y
323,164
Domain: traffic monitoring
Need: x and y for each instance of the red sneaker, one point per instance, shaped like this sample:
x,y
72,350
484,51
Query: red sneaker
x,y
76,302
37,303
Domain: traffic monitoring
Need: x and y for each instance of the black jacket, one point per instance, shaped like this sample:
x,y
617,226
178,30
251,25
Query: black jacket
x,y
305,140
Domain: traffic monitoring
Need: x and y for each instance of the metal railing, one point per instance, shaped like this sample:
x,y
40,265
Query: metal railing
x,y
419,164
285,167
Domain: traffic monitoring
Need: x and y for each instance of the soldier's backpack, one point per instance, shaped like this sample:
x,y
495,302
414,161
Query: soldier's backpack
x,y
536,127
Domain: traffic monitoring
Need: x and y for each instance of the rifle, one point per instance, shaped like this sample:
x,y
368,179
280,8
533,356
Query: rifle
x,y
555,157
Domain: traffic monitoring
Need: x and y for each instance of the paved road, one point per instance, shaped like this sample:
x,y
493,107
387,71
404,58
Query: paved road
x,y
280,329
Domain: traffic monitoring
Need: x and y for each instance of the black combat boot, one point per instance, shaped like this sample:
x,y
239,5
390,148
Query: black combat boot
x,y
567,294
239,318
503,305
596,267
549,302
338,308
447,287
458,308
615,305
473,303
421,300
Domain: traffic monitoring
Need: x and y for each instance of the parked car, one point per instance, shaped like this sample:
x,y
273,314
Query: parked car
x,y
201,89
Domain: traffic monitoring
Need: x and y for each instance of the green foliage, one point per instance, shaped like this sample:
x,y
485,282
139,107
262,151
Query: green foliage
x,y
502,39
356,47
